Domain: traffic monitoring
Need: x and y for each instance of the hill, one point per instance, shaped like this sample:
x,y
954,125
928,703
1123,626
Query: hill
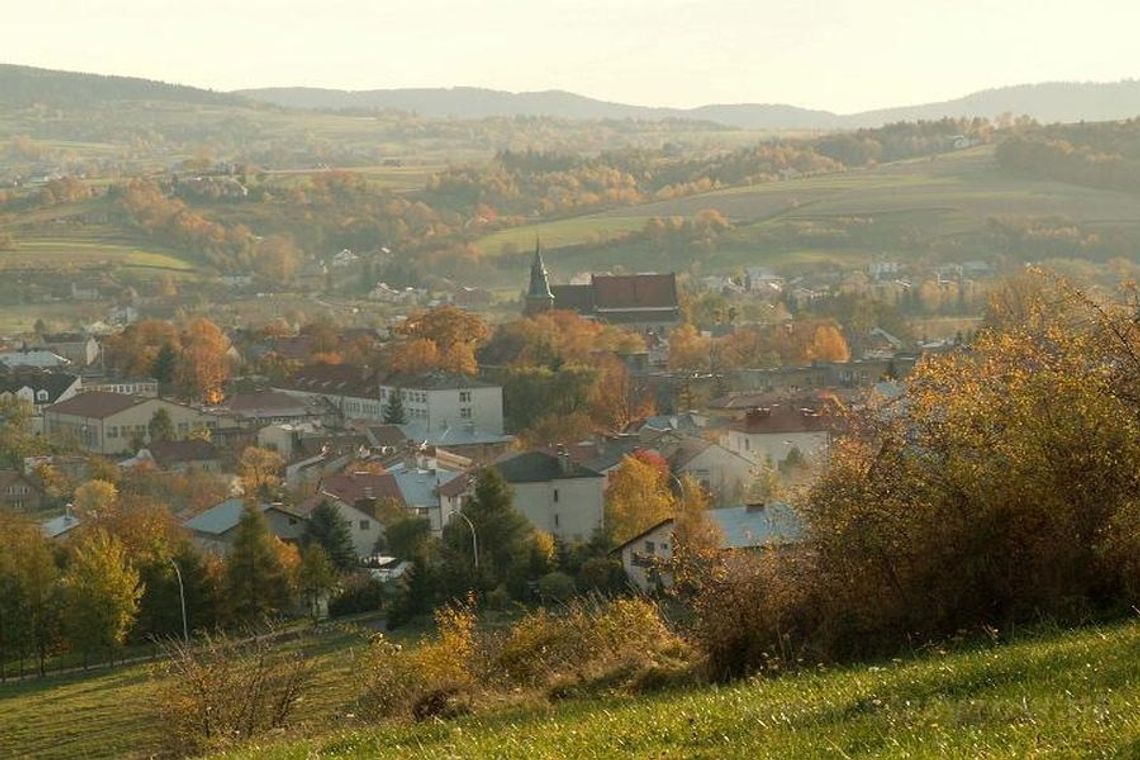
x,y
23,86
1048,102
1068,694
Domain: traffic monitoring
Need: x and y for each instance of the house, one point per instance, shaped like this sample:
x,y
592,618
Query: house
x,y
356,496
32,357
39,387
769,434
435,402
556,494
180,456
351,389
754,526
113,423
636,301
214,530
261,408
423,479
80,349
57,528
20,492
722,473
763,280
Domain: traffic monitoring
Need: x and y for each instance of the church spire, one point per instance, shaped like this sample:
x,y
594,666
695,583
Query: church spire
x,y
538,295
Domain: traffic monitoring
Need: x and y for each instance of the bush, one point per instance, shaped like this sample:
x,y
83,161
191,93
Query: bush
x,y
556,586
417,682
361,593
223,691
602,575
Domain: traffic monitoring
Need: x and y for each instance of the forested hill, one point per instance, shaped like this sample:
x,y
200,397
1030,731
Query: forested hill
x,y
24,86
1050,102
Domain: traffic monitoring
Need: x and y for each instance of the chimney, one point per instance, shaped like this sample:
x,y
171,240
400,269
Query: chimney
x,y
563,459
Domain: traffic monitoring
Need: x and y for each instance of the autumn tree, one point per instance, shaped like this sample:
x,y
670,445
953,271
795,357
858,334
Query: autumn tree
x,y
618,399
30,594
316,576
17,437
277,259
96,499
688,349
454,334
638,495
260,470
102,592
203,365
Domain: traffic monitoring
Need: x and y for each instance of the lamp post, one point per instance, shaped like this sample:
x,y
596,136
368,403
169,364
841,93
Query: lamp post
x,y
182,599
474,537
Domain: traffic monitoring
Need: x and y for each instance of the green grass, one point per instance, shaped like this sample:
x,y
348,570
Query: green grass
x,y
48,253
1069,695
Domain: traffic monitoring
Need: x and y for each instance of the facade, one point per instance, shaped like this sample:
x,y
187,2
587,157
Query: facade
x,y
556,494
436,402
112,423
80,349
180,456
645,557
722,473
40,388
356,496
351,390
19,492
769,434
213,531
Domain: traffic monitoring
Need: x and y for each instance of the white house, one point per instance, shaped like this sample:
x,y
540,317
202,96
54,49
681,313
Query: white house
x,y
645,557
557,495
356,496
723,473
439,401
769,434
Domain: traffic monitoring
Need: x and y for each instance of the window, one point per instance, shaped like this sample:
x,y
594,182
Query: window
x,y
41,395
555,519
465,412
365,524
555,495
113,431
650,547
464,397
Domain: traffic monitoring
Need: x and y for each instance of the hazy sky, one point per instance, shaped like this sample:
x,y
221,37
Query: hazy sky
x,y
840,55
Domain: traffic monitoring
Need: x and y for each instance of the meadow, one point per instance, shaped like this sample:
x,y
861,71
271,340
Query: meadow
x,y
1048,693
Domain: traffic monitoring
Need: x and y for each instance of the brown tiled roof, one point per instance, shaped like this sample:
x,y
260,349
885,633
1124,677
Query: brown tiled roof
x,y
579,298
635,291
95,404
357,486
169,452
336,379
783,419
456,485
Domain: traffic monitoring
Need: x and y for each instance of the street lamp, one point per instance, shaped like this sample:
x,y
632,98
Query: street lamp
x,y
182,599
474,537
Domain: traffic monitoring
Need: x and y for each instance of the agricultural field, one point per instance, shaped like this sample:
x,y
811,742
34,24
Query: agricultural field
x,y
942,199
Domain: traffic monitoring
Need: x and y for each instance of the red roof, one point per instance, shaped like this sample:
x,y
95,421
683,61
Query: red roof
x,y
635,291
358,486
782,420
95,404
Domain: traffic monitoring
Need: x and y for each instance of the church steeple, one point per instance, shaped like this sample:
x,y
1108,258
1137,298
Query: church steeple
x,y
538,295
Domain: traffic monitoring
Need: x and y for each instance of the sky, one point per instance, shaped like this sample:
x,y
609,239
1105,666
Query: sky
x,y
838,55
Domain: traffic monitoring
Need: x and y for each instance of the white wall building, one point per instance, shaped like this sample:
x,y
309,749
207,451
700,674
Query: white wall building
x,y
438,401
557,495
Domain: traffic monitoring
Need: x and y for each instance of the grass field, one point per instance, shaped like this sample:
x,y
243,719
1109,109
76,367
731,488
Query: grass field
x,y
1068,694
61,252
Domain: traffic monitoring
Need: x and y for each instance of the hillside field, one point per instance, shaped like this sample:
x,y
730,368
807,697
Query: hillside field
x,y
1064,694
946,197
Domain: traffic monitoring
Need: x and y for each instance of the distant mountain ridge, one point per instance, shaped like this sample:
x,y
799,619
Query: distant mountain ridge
x,y
1047,102
22,86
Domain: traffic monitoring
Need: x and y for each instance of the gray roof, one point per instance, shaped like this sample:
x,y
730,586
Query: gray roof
x,y
754,525
57,526
452,436
435,381
540,467
418,487
219,518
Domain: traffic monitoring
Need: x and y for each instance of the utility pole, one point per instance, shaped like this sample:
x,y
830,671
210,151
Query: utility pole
x,y
182,599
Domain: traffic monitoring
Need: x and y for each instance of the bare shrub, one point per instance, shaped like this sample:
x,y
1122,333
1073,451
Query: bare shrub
x,y
225,690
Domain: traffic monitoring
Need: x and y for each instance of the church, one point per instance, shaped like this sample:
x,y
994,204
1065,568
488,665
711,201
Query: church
x,y
635,301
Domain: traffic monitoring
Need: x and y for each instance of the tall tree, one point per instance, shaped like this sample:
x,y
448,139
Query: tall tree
x,y
102,592
394,410
164,365
161,427
260,471
638,495
203,365
256,583
316,576
330,530
501,533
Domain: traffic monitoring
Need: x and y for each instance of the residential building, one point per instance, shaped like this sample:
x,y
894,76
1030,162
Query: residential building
x,y
770,434
722,473
112,423
351,389
180,456
261,408
20,492
646,556
80,349
556,494
356,496
436,402
39,387
214,530
32,357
